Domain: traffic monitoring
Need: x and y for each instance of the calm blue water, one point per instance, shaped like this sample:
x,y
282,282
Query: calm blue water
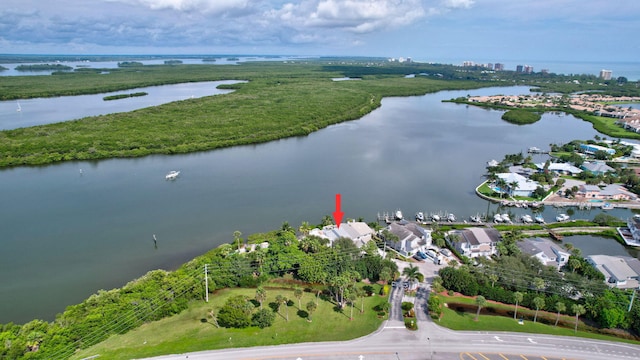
x,y
68,234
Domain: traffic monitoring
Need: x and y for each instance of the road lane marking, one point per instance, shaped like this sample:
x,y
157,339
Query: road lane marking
x,y
471,356
531,341
524,357
504,357
498,339
486,358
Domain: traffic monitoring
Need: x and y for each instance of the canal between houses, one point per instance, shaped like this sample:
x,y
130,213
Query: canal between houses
x,y
67,234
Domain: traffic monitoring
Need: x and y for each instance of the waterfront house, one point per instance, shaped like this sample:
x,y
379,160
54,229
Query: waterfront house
x,y
622,272
560,168
411,237
592,149
597,167
359,232
631,234
547,252
474,242
519,185
609,192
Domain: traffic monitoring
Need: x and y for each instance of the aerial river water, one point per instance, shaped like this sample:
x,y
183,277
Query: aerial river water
x,y
67,233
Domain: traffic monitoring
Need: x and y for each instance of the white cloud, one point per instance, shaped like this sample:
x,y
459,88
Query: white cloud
x,y
458,4
205,6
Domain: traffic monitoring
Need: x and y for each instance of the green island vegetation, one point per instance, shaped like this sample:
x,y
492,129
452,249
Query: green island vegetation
x,y
521,117
124,96
173,62
43,67
125,64
2,68
209,59
280,99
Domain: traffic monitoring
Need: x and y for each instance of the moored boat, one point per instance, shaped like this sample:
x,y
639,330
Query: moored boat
x,y
172,175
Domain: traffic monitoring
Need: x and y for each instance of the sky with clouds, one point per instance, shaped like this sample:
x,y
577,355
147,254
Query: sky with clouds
x,y
426,30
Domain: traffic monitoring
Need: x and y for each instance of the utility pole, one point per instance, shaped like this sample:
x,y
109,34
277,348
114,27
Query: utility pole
x,y
632,298
206,284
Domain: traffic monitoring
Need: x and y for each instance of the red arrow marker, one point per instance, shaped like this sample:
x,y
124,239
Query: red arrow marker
x,y
337,215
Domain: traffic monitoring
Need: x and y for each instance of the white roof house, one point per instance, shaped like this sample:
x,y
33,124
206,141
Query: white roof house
x,y
561,168
525,186
545,251
359,232
622,272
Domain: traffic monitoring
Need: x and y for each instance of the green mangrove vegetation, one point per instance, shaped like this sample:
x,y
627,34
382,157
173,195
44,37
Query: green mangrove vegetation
x,y
521,117
43,67
124,96
278,101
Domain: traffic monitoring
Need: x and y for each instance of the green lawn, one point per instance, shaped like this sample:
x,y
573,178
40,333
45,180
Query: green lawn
x,y
187,332
457,320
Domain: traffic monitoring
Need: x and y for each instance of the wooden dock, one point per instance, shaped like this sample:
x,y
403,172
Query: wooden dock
x,y
554,235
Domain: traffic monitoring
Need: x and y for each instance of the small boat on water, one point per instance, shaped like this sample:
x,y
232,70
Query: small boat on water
x,y
420,216
497,218
398,215
435,217
607,206
476,218
19,107
451,218
562,217
539,219
526,218
172,175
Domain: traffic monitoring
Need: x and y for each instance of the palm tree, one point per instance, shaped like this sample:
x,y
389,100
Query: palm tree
x,y
412,273
311,307
304,228
298,294
578,310
513,186
538,302
538,283
517,296
352,296
480,301
279,301
237,239
560,306
261,295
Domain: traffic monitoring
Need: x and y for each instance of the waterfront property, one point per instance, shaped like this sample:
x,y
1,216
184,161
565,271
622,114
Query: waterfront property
x,y
518,184
631,234
591,149
359,232
546,251
597,167
622,272
560,168
474,242
411,238
609,192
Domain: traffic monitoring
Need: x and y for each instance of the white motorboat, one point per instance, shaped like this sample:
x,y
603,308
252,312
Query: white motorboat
x,y
451,218
506,218
539,219
497,218
420,216
476,218
526,218
398,215
435,217
562,217
172,175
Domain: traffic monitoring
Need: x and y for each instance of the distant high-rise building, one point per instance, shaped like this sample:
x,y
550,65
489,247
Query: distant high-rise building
x,y
605,74
528,69
468,63
544,71
519,68
490,66
498,67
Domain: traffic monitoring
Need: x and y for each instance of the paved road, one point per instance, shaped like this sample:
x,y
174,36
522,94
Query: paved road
x,y
432,342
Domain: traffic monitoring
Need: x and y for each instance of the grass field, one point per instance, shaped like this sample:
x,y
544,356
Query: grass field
x,y
459,320
192,331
